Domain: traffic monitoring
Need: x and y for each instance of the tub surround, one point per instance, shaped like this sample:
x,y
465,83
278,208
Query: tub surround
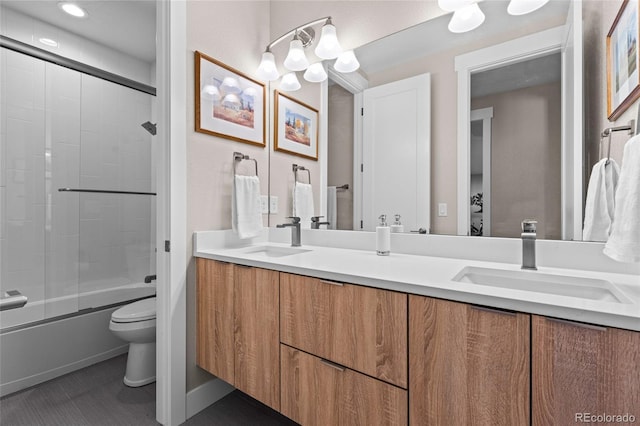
x,y
425,265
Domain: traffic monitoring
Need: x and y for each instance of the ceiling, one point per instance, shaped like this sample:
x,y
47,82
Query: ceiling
x,y
126,26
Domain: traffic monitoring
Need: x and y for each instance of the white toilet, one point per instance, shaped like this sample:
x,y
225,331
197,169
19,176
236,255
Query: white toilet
x,y
136,323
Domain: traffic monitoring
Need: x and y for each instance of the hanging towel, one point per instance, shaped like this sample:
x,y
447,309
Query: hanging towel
x,y
332,207
303,203
624,243
599,207
246,217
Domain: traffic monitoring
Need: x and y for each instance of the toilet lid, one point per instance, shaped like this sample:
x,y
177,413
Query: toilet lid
x,y
141,310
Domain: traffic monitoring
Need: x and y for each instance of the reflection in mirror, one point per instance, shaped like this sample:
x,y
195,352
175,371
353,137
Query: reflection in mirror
x,y
430,48
519,105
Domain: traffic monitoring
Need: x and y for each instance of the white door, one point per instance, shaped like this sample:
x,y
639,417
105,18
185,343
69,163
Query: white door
x,y
396,129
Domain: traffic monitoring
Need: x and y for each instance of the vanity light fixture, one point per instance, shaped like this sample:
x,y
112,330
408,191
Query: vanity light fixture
x,y
466,19
73,9
521,7
328,47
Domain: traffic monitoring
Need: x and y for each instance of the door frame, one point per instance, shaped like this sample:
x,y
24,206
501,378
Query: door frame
x,y
528,47
485,115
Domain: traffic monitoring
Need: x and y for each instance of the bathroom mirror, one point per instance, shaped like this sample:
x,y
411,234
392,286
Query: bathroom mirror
x,y
430,47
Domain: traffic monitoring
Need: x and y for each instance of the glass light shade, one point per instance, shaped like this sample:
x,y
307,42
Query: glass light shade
x,y
289,82
315,73
453,5
296,60
328,47
210,92
346,62
250,91
267,70
466,19
230,85
522,7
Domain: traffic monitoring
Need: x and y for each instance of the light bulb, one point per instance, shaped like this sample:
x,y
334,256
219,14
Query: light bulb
x,y
296,60
315,73
466,19
522,7
346,62
289,82
267,69
328,47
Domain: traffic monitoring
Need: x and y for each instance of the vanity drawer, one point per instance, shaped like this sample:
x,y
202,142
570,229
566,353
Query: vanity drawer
x,y
359,327
317,392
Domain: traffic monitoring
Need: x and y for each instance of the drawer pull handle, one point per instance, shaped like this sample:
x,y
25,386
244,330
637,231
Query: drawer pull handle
x,y
332,365
493,310
577,324
332,283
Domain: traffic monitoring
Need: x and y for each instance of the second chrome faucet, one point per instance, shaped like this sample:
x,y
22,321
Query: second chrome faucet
x,y
295,230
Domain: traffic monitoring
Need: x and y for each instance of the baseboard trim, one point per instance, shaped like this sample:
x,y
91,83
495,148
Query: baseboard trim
x,y
206,394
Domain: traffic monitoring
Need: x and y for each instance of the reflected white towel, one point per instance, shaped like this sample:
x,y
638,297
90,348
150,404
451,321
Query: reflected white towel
x,y
246,216
624,243
332,207
599,206
303,203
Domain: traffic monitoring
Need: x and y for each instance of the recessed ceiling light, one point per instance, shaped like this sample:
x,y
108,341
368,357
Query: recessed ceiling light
x,y
48,42
73,9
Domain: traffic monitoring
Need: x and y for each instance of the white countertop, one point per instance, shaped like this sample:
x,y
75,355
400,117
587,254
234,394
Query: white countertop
x,y
433,276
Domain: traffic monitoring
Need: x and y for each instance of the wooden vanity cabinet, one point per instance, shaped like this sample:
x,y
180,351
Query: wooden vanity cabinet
x,y
581,369
318,392
362,328
237,327
467,364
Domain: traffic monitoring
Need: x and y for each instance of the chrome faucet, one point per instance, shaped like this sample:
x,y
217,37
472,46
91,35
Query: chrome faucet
x,y
529,244
315,222
295,230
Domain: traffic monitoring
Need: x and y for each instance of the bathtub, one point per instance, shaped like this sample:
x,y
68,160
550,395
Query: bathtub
x,y
47,348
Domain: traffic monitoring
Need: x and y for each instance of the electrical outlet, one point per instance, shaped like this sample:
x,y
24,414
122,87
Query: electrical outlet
x,y
273,204
264,204
442,209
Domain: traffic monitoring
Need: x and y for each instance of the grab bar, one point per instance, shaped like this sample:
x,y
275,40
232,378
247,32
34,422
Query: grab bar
x,y
104,191
12,299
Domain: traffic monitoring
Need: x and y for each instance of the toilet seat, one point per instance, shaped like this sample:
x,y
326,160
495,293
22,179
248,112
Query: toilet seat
x,y
142,310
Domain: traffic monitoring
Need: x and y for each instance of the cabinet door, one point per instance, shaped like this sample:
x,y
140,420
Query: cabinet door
x,y
317,392
359,327
468,365
214,324
257,361
581,370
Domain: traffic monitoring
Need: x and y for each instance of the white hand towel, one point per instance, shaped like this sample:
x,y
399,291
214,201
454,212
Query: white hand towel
x,y
599,206
332,207
303,203
624,243
246,216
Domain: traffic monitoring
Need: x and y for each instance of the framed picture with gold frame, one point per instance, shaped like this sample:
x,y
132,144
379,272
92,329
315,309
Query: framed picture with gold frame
x,y
623,74
295,127
228,103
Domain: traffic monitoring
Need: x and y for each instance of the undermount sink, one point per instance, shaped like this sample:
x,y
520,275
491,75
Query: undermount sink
x,y
561,285
275,251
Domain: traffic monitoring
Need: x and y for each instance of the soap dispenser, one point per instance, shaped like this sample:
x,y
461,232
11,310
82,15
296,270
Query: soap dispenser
x,y
396,226
383,237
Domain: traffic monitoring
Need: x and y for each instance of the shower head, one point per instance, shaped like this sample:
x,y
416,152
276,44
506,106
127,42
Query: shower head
x,y
149,127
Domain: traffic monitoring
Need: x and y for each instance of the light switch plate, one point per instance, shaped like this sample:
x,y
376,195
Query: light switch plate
x,y
273,204
442,209
264,204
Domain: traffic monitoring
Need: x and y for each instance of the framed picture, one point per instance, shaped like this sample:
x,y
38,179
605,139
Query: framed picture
x,y
228,103
296,127
623,81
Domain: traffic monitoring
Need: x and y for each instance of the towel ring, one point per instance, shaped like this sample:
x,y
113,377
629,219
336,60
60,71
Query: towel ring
x,y
295,172
238,157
